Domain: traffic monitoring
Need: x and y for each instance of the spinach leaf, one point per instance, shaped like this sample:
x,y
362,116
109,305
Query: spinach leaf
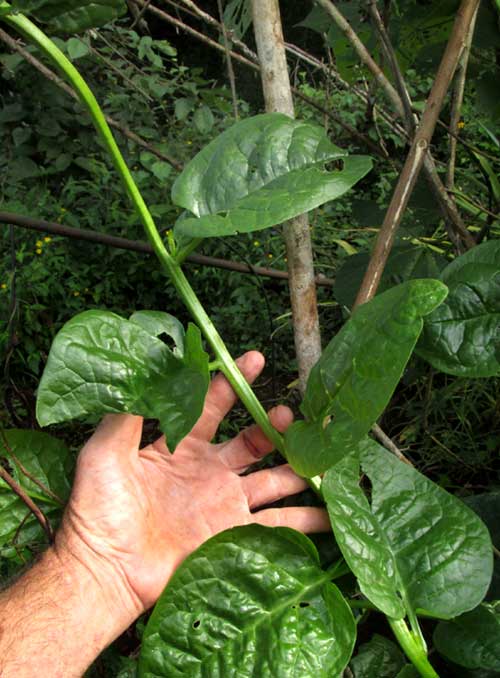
x,y
357,373
102,363
379,657
251,601
259,173
471,640
414,548
462,336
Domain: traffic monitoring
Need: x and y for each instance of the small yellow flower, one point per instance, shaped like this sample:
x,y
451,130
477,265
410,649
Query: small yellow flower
x,y
47,238
3,286
269,256
38,251
63,210
256,243
285,259
461,124
76,293
39,244
189,142
86,289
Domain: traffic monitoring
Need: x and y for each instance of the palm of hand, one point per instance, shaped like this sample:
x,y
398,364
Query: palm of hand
x,y
146,510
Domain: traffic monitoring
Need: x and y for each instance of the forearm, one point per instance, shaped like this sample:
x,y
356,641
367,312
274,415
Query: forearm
x,y
58,617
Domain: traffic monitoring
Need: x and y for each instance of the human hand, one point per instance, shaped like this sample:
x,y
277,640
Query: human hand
x,y
139,513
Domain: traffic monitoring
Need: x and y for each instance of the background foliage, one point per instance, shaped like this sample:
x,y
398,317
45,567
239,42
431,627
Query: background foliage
x,y
172,90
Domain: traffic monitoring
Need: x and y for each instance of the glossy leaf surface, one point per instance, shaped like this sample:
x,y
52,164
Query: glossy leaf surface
x,y
357,373
47,460
259,173
64,16
471,640
157,323
462,337
413,547
379,657
102,363
251,601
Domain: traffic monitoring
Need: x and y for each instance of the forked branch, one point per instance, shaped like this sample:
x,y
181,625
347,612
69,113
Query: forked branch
x,y
416,156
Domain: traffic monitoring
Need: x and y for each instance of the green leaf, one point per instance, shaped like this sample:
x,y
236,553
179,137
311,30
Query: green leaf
x,y
414,548
161,170
183,108
487,507
102,363
158,322
50,462
379,657
203,119
259,173
462,337
77,48
66,16
490,174
252,601
471,640
406,262
357,373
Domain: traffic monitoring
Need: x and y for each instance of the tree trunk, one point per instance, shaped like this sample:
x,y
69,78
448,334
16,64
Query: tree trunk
x,y
278,98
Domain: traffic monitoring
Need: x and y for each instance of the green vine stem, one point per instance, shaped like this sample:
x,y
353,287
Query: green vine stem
x,y
413,648
228,366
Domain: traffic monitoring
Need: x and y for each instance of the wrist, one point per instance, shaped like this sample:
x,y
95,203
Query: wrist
x,y
98,580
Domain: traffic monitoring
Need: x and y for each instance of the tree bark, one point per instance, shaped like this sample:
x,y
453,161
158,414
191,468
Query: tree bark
x,y
278,98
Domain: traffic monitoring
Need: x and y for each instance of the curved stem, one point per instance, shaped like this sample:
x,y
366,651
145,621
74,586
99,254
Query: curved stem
x,y
228,366
412,646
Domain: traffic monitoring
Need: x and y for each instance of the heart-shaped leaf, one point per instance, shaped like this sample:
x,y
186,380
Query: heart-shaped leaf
x,y
65,16
259,173
357,373
473,639
414,548
102,363
251,601
462,336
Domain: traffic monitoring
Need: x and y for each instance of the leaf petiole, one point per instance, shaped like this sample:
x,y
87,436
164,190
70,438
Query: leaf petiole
x,y
412,647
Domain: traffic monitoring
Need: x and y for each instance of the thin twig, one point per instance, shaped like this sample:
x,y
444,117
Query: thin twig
x,y
139,15
416,156
161,14
37,512
389,444
229,61
137,246
25,472
209,19
363,53
50,75
457,97
394,64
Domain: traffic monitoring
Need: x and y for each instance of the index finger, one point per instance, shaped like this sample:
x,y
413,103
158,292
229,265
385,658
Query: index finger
x,y
221,397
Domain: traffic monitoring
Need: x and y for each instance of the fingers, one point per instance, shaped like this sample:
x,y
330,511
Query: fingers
x,y
272,484
303,519
251,444
117,433
221,397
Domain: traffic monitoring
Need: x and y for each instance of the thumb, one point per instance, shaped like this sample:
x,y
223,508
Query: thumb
x,y
118,434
